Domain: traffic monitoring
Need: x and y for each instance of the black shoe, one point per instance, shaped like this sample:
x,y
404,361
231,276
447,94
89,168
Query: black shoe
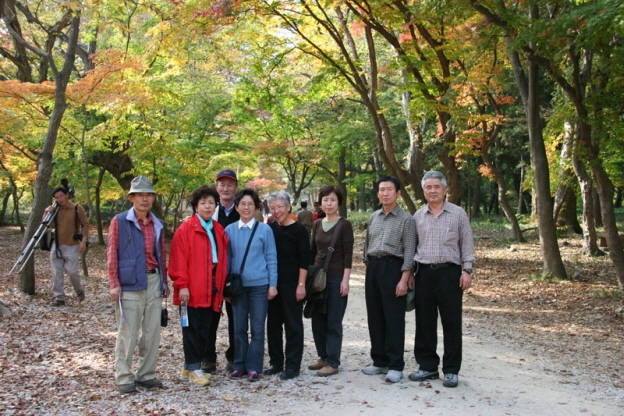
x,y
126,388
209,368
153,383
58,303
422,375
273,370
450,380
289,374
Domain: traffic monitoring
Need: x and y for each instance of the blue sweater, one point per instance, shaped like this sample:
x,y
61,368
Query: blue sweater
x,y
261,264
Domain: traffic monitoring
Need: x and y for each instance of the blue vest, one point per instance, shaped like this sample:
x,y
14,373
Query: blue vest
x,y
131,252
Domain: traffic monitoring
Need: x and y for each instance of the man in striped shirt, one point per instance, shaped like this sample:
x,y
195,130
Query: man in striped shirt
x,y
444,258
388,254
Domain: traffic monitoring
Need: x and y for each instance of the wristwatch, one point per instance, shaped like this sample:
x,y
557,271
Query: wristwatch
x,y
469,271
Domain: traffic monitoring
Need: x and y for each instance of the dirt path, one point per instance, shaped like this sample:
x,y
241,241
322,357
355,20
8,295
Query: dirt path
x,y
59,361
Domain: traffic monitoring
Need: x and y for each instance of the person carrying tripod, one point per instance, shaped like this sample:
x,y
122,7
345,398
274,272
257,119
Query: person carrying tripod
x,y
71,236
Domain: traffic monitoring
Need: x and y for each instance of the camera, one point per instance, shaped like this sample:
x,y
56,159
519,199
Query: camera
x,y
78,236
164,317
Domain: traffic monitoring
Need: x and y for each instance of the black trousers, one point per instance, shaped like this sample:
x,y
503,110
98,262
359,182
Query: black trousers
x,y
285,315
438,290
386,313
195,336
210,355
327,327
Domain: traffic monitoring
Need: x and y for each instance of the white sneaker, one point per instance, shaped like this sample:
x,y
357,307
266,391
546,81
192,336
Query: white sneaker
x,y
394,376
199,378
372,370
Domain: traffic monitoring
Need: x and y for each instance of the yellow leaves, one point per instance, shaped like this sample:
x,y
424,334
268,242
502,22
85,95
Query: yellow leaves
x,y
114,79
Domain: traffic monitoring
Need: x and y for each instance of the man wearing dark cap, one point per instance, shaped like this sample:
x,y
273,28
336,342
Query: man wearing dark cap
x,y
225,214
137,275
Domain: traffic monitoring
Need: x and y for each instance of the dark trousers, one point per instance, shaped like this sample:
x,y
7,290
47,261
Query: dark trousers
x,y
210,355
327,327
195,336
438,290
285,316
386,313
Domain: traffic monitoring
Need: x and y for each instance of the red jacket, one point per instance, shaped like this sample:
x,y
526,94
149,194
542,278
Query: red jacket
x,y
190,264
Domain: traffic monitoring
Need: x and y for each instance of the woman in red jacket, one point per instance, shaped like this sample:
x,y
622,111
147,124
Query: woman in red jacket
x,y
197,266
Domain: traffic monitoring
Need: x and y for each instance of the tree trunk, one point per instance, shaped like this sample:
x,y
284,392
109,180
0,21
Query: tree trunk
x,y
521,204
567,217
529,91
5,204
506,206
342,172
605,191
44,163
565,170
98,206
476,198
597,209
414,156
590,244
16,208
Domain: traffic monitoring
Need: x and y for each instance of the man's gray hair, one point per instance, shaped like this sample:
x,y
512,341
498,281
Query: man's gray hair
x,y
283,195
433,174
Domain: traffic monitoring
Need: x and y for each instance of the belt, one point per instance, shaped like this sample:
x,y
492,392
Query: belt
x,y
435,266
151,271
385,258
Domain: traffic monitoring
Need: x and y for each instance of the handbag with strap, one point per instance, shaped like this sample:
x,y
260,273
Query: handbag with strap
x,y
234,281
317,276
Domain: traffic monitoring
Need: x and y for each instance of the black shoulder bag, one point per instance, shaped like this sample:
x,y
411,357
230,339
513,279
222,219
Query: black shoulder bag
x,y
234,281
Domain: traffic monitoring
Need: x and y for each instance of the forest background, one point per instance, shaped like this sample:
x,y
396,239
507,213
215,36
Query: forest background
x,y
518,103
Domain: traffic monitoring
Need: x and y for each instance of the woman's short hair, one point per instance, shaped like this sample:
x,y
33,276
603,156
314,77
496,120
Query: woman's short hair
x,y
247,191
283,195
203,192
331,189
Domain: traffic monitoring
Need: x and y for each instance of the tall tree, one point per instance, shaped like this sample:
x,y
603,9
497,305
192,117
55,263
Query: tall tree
x,y
70,21
528,83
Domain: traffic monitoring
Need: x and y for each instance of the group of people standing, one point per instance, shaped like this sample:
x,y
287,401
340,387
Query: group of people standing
x,y
223,237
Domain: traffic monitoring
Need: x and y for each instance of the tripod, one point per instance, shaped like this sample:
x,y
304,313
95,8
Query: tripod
x,y
34,241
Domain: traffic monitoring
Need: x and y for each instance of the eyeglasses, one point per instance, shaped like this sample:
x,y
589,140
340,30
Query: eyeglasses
x,y
277,207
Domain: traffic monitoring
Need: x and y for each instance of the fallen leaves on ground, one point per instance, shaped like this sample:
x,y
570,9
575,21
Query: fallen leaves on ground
x,y
60,360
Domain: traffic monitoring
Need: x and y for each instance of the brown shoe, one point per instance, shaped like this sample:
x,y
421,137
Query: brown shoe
x,y
317,365
327,371
58,303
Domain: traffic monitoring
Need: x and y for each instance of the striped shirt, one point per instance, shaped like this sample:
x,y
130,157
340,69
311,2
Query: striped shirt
x,y
391,234
446,238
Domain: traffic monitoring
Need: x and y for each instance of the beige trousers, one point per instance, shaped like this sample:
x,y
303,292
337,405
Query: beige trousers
x,y
141,310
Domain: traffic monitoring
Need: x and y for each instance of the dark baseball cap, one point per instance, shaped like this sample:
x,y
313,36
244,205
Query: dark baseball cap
x,y
227,173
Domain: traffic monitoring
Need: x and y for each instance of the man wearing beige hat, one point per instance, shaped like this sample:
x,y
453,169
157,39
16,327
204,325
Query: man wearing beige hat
x,y
137,276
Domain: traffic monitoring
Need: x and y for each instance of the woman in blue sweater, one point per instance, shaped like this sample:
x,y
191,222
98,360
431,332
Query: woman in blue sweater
x,y
259,278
